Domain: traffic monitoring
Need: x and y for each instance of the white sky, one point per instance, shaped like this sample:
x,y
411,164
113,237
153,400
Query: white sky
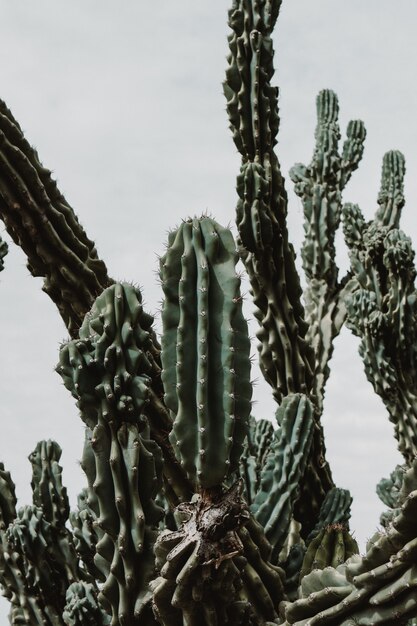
x,y
124,103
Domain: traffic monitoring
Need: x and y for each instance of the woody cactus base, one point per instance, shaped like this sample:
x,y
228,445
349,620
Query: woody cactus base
x,y
194,513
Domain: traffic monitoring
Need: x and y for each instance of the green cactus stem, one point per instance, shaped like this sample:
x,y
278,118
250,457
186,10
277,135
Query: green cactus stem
x,y
37,566
127,469
109,368
279,486
7,498
389,489
86,534
334,510
205,351
252,106
391,195
37,554
255,452
332,546
48,491
4,248
82,608
39,219
382,309
320,186
378,588
286,358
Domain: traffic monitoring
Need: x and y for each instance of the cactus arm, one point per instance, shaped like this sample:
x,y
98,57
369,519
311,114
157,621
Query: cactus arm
x,y
320,186
7,498
48,492
107,369
330,548
38,559
378,588
391,195
37,556
112,360
82,608
9,580
37,568
279,486
255,452
39,219
205,351
382,309
389,489
205,342
286,358
334,510
125,483
85,536
4,248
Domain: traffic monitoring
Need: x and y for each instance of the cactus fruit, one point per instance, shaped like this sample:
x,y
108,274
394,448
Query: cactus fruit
x,y
194,513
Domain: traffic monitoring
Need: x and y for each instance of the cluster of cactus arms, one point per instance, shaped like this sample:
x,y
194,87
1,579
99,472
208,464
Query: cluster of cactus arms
x,y
195,513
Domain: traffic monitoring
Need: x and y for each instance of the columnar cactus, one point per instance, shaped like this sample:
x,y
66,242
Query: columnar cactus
x,y
195,513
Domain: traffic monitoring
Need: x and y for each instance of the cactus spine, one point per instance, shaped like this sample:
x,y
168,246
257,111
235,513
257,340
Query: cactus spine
x,y
194,513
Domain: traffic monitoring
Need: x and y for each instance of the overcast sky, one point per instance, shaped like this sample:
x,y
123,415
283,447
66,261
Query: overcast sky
x,y
124,103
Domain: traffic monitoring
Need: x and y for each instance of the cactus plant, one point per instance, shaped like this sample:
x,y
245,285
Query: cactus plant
x,y
195,513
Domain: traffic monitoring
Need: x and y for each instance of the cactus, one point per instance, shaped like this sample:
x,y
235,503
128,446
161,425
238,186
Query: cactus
x,y
194,512
4,248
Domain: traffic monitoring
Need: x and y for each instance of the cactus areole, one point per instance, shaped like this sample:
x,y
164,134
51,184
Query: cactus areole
x,y
194,513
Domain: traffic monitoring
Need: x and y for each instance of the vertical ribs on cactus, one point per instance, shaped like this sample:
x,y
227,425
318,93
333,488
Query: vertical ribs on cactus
x,y
286,356
194,512
320,186
4,248
205,351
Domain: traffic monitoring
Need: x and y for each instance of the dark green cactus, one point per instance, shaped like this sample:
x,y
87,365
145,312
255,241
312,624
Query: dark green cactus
x,y
205,341
382,305
285,465
194,513
331,547
3,251
320,187
378,588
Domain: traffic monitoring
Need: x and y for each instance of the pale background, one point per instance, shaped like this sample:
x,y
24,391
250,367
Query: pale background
x,y
124,102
